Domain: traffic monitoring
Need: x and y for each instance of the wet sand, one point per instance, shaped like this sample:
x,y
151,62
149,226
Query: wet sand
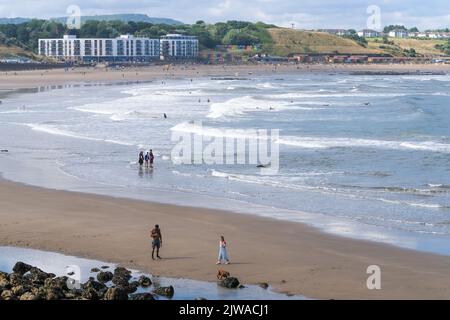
x,y
291,257
35,78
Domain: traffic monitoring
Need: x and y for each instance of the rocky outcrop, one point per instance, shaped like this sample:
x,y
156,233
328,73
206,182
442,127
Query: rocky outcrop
x,y
27,282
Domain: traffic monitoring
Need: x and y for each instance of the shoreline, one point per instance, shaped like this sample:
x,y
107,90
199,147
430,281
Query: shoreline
x,y
337,270
140,283
116,230
55,77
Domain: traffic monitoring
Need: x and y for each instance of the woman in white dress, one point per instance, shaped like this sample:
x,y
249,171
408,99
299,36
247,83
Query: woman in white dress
x,y
223,255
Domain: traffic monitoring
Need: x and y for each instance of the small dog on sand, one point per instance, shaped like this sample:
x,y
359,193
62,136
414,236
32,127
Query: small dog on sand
x,y
222,274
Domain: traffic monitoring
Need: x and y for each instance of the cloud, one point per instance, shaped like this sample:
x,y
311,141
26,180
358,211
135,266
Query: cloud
x,y
306,14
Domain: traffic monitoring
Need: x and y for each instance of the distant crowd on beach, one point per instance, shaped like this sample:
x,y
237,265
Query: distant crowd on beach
x,y
147,159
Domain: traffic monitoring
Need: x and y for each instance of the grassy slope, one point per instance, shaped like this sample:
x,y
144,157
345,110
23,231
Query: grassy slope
x,y
286,41
422,47
11,51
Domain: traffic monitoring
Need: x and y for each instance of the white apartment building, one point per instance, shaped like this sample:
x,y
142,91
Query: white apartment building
x,y
123,48
177,46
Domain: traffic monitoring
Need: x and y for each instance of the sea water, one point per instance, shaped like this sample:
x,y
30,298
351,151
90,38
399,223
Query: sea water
x,y
366,151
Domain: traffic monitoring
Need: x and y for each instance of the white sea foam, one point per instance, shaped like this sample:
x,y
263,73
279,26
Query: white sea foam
x,y
315,142
416,204
189,127
312,95
263,180
242,105
326,143
266,85
53,130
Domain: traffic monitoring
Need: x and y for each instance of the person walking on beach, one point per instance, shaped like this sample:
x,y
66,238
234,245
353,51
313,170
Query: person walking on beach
x,y
223,255
152,158
156,242
141,158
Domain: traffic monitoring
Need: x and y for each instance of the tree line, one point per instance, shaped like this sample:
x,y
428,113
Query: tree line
x,y
26,34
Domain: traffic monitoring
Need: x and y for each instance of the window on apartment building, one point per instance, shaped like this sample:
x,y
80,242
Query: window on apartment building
x,y
60,48
77,48
108,48
88,48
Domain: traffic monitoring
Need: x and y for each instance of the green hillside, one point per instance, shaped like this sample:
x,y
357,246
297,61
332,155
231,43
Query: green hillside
x,y
399,47
289,41
14,51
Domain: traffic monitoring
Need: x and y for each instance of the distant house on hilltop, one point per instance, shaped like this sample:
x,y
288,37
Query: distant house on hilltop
x,y
398,33
368,33
337,32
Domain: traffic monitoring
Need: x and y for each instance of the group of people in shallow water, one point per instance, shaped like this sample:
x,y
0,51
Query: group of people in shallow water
x,y
148,158
156,236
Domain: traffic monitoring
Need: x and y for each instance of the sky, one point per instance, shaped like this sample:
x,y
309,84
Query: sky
x,y
304,14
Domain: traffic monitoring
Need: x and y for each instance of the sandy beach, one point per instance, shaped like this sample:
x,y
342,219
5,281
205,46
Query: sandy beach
x,y
293,258
34,78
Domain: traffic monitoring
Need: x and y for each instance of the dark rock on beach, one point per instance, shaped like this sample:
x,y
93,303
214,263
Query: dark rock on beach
x,y
145,281
116,294
95,270
230,283
142,296
21,268
122,272
132,287
264,285
28,296
105,276
121,277
164,291
37,276
8,295
93,285
90,294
